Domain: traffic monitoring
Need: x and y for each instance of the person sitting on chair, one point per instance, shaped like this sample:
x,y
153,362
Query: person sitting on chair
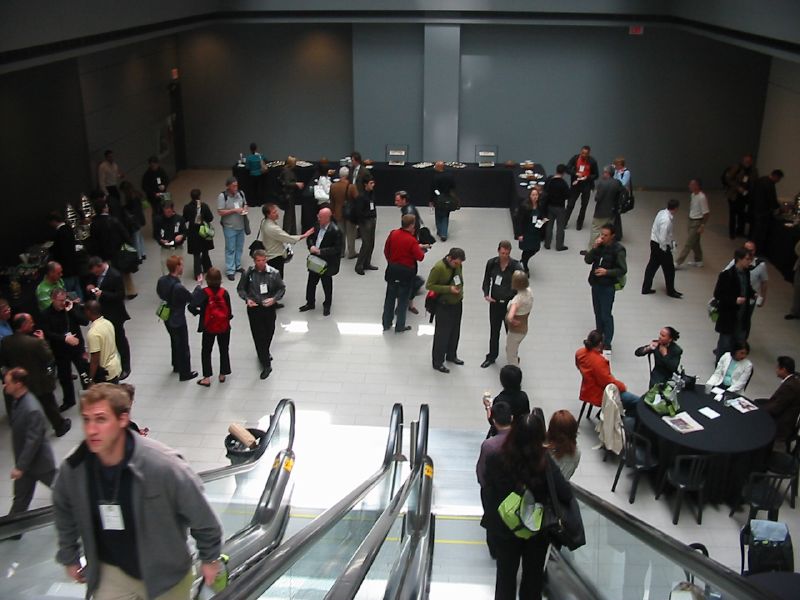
x,y
596,373
666,355
734,369
784,404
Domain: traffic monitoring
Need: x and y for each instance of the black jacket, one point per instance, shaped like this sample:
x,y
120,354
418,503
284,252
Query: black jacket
x,y
106,236
112,300
170,289
726,291
556,192
330,250
594,172
365,207
150,183
57,323
195,243
168,228
63,250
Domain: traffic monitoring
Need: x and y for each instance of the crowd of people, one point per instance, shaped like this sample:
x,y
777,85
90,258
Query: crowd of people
x,y
81,320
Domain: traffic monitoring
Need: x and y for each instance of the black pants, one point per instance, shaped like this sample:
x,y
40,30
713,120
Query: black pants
x,y
526,256
122,345
759,231
311,289
179,346
367,229
737,215
262,328
202,262
277,263
289,216
50,408
659,258
508,553
557,216
446,332
64,364
24,488
584,191
497,319
224,340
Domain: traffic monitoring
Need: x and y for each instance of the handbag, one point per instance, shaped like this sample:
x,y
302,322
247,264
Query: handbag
x,y
521,514
425,237
257,244
206,231
163,311
317,265
127,259
246,224
562,523
289,253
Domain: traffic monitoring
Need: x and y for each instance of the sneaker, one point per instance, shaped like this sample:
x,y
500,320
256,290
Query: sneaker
x,y
698,264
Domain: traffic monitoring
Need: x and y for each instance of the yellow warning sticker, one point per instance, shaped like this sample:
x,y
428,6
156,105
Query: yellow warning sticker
x,y
427,471
288,464
276,463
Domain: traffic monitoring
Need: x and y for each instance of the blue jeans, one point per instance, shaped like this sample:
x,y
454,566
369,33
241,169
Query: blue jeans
x,y
629,399
234,243
603,302
442,222
396,292
138,242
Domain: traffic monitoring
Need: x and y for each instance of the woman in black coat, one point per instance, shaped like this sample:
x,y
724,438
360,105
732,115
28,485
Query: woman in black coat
x,y
521,461
529,213
195,214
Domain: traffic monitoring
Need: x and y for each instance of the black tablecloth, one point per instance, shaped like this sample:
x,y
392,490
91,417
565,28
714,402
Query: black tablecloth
x,y
740,441
272,187
780,247
783,585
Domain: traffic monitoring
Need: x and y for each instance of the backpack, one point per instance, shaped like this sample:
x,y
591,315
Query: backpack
x,y
215,318
769,547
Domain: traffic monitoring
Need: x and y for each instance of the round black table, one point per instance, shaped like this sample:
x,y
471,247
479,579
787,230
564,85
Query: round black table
x,y
740,441
783,585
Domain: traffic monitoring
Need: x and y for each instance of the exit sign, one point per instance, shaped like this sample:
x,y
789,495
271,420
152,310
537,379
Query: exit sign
x,y
636,30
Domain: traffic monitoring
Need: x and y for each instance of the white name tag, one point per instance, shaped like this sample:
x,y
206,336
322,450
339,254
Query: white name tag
x,y
457,280
263,288
235,205
498,280
111,517
581,168
372,206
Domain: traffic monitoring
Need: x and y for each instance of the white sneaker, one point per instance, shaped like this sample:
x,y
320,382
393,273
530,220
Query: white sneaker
x,y
698,263
689,263
607,353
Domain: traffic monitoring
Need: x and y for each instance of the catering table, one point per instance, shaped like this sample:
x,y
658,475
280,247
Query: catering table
x,y
493,187
740,442
782,584
780,247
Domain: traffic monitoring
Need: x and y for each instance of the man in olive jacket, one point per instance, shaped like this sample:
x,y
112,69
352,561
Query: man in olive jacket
x,y
447,282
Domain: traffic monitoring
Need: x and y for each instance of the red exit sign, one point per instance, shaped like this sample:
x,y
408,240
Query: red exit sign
x,y
636,30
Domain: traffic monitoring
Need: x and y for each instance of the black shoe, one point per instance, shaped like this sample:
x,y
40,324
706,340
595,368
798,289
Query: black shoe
x,y
441,368
306,307
231,277
278,305
265,373
65,427
674,294
562,248
240,270
790,316
579,226
455,361
124,375
326,311
131,296
66,406
488,362
371,268
404,329
583,252
650,291
547,247
189,376
360,271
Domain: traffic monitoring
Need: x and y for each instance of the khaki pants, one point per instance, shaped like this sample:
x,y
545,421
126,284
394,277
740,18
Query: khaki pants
x,y
513,340
350,230
115,584
692,242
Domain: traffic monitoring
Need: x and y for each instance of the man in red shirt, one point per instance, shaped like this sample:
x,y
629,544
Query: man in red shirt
x,y
402,251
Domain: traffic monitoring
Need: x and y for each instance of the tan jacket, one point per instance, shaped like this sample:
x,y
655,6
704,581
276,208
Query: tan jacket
x,y
609,428
274,239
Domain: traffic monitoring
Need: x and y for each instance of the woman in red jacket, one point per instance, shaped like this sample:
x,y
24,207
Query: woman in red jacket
x,y
596,373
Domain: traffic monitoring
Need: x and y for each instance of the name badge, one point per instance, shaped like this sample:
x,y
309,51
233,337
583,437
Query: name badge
x,y
745,179
111,517
372,206
158,180
263,288
235,205
581,168
498,280
457,280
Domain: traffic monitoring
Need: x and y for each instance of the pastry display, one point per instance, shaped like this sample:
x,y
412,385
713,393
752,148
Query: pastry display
x,y
422,165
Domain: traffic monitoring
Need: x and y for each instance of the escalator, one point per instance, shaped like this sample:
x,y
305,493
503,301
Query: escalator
x,y
250,498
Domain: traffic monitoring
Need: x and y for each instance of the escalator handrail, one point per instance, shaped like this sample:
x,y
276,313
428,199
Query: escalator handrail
x,y
271,568
707,569
41,517
348,583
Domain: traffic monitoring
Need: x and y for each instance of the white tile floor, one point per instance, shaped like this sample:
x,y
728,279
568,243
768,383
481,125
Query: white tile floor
x,y
341,370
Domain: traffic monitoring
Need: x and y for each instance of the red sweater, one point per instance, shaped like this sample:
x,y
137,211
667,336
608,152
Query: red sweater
x,y
402,248
596,374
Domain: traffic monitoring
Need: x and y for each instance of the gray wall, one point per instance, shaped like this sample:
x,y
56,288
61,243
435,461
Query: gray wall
x,y
286,87
387,88
675,104
781,128
126,104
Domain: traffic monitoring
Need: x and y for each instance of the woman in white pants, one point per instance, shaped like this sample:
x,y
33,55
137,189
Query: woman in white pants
x,y
519,307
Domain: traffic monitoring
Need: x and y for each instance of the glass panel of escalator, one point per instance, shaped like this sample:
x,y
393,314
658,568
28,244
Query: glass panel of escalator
x,y
313,574
374,584
621,566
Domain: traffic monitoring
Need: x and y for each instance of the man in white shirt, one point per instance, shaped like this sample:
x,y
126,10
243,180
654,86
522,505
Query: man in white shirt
x,y
758,281
698,217
661,244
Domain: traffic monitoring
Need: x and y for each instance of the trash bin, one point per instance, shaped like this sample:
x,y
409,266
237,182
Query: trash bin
x,y
237,453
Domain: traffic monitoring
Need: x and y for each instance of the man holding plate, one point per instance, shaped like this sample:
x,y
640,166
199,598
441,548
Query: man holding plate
x,y
325,246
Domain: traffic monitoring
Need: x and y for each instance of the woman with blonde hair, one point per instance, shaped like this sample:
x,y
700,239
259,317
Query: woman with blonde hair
x,y
519,307
562,442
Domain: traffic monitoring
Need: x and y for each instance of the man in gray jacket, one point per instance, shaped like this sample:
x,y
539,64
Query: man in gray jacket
x,y
129,501
33,456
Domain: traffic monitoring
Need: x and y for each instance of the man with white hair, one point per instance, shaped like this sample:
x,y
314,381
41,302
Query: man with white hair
x,y
343,192
325,243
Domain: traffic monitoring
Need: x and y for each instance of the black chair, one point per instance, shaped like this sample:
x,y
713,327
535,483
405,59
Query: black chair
x,y
787,463
637,455
687,474
583,407
764,491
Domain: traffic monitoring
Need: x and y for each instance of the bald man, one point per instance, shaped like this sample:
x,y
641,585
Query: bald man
x,y
325,243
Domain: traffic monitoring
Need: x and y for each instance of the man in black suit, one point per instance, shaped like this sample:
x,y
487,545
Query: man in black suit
x,y
27,349
583,170
784,404
63,252
61,323
107,233
325,243
170,289
733,294
106,286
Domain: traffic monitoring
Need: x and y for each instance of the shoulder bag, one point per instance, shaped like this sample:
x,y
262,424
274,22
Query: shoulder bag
x,y
257,244
206,231
521,514
562,522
